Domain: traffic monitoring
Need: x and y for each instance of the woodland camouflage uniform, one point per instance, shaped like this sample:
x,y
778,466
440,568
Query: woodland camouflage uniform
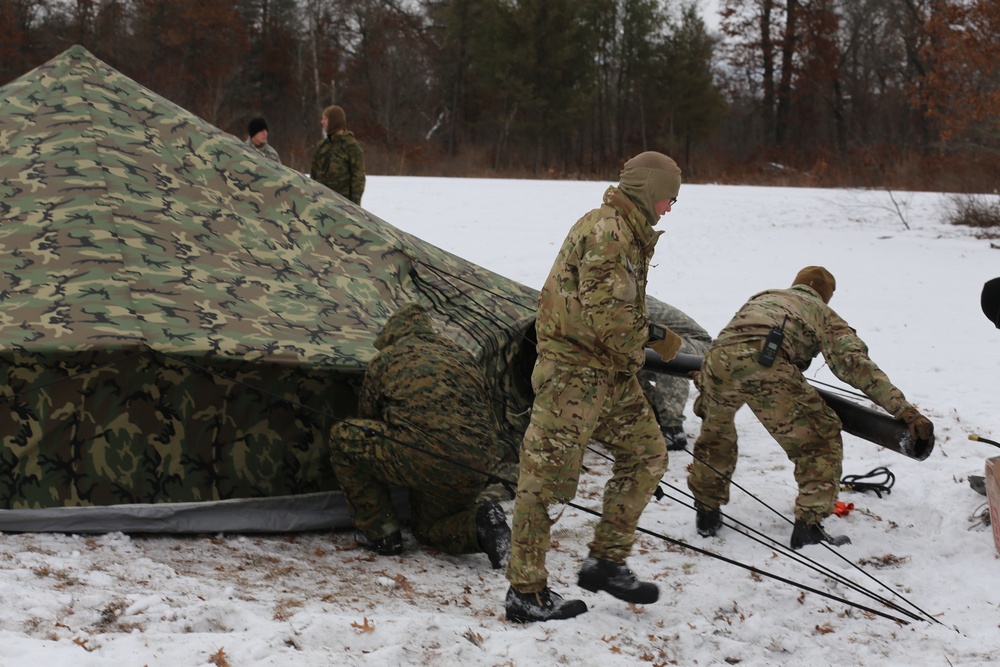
x,y
339,163
789,407
592,328
668,394
427,424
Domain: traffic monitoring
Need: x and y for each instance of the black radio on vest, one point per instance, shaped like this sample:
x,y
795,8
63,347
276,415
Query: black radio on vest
x,y
772,344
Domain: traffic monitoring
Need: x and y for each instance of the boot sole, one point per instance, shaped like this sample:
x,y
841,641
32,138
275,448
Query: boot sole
x,y
518,618
593,587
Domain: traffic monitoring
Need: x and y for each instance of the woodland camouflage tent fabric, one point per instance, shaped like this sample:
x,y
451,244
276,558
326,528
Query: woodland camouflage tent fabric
x,y
182,320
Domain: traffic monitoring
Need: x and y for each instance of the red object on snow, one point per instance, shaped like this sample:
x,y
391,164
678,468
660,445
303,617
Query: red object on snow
x,y
842,509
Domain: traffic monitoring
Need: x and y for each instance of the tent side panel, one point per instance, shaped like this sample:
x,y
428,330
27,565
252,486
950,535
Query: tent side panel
x,y
89,429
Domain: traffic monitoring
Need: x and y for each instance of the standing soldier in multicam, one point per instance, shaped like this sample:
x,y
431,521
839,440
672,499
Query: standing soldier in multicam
x,y
733,374
426,423
592,327
668,394
338,160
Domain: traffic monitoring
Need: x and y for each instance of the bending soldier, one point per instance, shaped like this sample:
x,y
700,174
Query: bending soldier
x,y
427,424
735,372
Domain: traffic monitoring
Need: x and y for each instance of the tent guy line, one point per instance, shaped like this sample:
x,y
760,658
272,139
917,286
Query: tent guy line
x,y
687,500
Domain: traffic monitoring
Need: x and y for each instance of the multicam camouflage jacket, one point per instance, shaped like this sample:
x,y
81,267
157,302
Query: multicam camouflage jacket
x,y
433,387
339,164
267,150
592,309
812,327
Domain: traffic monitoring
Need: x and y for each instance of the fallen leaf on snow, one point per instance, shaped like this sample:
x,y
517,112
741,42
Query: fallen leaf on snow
x,y
364,627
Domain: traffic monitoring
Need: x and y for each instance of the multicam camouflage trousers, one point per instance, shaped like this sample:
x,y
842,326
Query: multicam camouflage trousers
x,y
668,394
370,456
574,404
792,411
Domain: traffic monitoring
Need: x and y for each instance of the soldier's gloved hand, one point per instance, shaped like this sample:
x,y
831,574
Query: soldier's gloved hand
x,y
668,346
920,427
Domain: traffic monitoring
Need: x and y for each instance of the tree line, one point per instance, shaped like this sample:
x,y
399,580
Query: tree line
x,y
889,93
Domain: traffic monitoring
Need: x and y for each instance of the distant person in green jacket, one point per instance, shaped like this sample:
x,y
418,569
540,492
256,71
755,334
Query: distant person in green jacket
x,y
339,161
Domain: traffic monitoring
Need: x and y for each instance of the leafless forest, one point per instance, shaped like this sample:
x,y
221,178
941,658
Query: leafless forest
x,y
875,93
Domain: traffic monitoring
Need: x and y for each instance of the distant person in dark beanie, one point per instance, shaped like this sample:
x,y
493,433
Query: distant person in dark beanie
x,y
991,301
257,139
734,373
338,160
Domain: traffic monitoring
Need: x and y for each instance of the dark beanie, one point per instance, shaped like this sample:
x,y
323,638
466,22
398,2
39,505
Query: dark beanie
x,y
819,279
256,125
336,119
991,301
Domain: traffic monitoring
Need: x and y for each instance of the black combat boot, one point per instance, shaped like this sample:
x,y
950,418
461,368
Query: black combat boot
x,y
707,522
813,533
390,545
616,579
542,606
493,533
675,437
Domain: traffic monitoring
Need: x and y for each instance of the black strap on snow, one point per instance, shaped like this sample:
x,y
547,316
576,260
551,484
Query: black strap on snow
x,y
879,480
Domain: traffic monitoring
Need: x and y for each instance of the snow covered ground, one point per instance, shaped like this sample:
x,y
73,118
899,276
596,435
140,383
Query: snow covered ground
x,y
317,600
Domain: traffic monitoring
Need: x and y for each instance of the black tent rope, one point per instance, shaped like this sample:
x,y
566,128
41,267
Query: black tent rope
x,y
880,480
481,311
755,570
510,484
830,549
772,543
759,537
474,327
478,286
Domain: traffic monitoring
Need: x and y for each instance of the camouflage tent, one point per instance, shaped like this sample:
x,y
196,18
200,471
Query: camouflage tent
x,y
181,320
